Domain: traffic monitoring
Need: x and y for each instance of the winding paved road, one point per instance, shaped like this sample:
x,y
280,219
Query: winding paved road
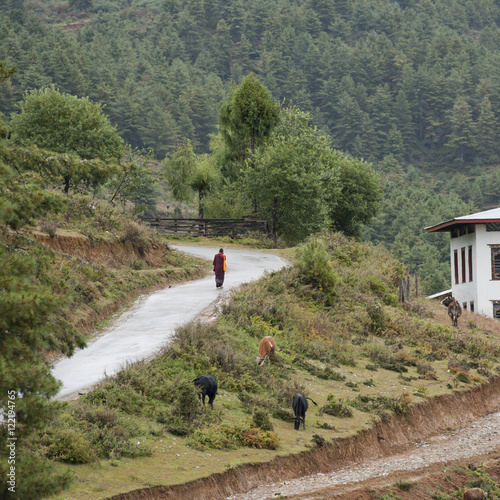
x,y
151,321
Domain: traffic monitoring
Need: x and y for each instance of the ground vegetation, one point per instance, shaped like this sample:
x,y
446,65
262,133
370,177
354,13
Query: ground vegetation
x,y
343,339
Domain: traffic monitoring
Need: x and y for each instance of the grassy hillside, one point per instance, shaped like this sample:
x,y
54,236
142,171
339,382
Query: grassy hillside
x,y
343,339
102,257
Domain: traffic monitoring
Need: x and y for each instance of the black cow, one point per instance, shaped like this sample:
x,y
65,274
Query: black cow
x,y
300,405
454,309
208,386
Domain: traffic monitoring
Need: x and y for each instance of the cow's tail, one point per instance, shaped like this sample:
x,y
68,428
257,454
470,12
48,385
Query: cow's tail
x,y
312,401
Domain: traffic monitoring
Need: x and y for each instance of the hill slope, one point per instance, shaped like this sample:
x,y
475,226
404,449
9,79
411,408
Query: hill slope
x,y
343,340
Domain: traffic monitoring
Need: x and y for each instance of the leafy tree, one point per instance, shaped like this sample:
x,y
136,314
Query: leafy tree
x,y
288,177
247,118
358,201
186,173
134,182
66,124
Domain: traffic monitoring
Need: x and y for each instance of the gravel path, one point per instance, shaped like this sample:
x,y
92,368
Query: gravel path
x,y
478,438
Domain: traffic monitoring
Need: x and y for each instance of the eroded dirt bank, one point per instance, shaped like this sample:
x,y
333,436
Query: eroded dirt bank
x,y
385,438
111,253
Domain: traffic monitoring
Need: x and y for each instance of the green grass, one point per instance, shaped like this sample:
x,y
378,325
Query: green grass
x,y
340,341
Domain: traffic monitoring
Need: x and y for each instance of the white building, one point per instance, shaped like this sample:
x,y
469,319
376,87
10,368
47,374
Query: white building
x,y
475,260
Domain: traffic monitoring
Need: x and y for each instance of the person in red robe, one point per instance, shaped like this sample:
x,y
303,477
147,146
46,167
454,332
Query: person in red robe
x,y
219,268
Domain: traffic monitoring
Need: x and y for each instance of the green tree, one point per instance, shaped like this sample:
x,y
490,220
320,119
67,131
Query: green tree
x,y
287,179
247,118
462,139
67,124
187,173
80,4
487,129
30,326
6,72
135,182
358,201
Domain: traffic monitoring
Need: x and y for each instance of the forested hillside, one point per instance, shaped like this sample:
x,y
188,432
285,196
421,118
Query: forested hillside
x,y
419,80
412,86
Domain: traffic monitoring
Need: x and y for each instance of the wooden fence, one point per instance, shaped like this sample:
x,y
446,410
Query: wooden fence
x,y
207,227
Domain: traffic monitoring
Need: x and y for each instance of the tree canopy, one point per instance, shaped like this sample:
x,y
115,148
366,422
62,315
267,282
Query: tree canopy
x,y
63,123
30,326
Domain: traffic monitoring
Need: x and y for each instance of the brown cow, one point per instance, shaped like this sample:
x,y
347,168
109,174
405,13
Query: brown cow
x,y
474,494
267,348
454,309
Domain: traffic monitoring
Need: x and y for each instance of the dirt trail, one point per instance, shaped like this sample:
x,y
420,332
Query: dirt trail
x,y
478,438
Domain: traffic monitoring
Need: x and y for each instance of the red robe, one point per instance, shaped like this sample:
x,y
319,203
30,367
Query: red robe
x,y
219,264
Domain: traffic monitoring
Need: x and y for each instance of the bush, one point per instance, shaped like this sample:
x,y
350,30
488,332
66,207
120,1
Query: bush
x,y
260,439
221,437
336,407
380,404
315,266
187,404
67,445
261,420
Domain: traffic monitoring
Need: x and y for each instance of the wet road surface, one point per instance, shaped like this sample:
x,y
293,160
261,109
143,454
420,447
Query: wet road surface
x,y
142,330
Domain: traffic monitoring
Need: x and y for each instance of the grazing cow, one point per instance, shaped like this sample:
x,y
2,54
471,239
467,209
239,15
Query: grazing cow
x,y
300,405
267,348
474,494
208,386
454,309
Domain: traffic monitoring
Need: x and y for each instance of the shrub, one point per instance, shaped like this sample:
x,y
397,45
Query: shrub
x,y
117,395
380,404
377,317
260,439
137,236
261,420
426,372
315,266
49,227
186,405
404,485
336,407
67,445
215,437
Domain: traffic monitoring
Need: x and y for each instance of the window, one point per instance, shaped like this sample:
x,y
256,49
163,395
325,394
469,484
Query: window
x,y
495,262
455,262
470,263
463,264
496,310
464,306
472,306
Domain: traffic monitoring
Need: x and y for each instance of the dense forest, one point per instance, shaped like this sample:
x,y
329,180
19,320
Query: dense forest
x,y
411,86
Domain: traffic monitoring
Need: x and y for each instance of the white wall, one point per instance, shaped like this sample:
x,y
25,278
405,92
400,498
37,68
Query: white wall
x,y
482,289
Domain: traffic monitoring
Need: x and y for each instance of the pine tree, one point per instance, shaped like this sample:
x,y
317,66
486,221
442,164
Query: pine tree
x,y
221,46
487,129
402,113
80,4
462,139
